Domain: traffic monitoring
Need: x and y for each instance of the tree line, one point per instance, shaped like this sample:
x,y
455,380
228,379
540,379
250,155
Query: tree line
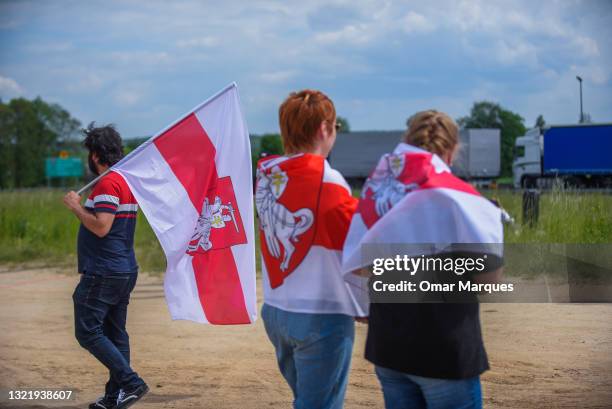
x,y
32,130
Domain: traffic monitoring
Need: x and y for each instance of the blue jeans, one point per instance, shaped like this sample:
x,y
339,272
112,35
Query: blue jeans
x,y
405,391
313,352
100,313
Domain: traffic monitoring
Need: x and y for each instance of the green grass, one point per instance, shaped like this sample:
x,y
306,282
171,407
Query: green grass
x,y
566,216
35,227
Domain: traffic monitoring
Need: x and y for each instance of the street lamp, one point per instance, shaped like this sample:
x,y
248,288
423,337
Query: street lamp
x,y
580,82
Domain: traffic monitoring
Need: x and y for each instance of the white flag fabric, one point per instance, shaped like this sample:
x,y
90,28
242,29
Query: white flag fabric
x,y
412,199
193,182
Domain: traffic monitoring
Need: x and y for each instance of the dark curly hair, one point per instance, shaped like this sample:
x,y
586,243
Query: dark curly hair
x,y
105,142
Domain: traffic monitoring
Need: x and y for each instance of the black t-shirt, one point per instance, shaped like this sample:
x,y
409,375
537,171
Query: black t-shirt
x,y
433,340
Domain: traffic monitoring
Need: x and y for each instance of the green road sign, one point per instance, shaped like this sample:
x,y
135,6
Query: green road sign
x,y
63,167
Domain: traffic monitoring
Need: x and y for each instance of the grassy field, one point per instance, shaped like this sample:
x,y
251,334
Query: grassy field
x,y
566,216
36,228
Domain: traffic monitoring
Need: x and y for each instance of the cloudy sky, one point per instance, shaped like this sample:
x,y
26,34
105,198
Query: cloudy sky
x,y
141,64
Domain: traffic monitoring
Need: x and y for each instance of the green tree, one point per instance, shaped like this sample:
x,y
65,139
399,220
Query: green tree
x,y
31,131
7,146
132,143
271,144
486,114
344,124
540,122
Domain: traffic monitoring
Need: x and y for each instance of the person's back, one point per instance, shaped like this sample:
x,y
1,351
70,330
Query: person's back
x,y
427,354
303,232
113,253
304,210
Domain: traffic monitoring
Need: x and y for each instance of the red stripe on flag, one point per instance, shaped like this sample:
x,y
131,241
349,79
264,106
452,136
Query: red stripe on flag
x,y
191,156
449,181
219,287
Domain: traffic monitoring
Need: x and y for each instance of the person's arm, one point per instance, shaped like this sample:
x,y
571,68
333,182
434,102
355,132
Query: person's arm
x,y
99,223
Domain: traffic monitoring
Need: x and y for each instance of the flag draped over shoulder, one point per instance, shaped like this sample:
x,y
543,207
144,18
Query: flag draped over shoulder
x,y
305,208
193,183
412,198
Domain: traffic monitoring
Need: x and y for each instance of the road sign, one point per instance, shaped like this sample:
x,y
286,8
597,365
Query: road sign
x,y
63,167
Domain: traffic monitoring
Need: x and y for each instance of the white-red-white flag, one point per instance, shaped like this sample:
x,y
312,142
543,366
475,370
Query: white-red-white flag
x,y
193,182
412,199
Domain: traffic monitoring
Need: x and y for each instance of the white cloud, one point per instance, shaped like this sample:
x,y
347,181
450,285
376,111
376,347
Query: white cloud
x,y
592,73
131,94
51,47
201,42
353,49
516,52
586,45
86,82
417,23
359,34
9,87
523,23
276,77
141,57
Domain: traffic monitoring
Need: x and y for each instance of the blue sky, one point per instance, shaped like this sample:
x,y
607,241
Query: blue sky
x,y
142,64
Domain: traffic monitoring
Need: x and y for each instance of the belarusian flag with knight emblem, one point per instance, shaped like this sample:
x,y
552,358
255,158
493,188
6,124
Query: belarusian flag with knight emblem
x,y
304,209
193,183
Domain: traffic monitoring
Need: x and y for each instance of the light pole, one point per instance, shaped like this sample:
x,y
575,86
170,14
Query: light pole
x,y
580,82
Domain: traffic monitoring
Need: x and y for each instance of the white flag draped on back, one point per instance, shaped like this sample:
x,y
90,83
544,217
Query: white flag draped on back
x,y
193,183
412,199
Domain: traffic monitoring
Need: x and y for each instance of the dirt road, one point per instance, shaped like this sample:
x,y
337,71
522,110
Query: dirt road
x,y
541,355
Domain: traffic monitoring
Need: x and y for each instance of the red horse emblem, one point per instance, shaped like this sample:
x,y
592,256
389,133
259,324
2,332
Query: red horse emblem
x,y
286,216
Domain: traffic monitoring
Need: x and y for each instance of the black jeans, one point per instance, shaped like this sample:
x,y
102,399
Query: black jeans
x,y
100,313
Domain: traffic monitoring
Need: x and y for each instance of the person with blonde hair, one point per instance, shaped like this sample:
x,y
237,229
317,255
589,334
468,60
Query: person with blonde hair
x,y
304,208
428,352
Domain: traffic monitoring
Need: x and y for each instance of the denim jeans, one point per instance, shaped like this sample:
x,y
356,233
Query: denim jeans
x,y
313,352
405,391
100,313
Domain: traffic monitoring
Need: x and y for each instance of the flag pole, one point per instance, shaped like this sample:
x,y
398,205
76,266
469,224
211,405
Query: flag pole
x,y
151,139
93,182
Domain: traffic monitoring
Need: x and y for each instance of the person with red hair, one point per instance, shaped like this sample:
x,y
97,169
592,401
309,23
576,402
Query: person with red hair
x,y
304,209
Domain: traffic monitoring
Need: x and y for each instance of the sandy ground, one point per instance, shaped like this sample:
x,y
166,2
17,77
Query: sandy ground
x,y
541,355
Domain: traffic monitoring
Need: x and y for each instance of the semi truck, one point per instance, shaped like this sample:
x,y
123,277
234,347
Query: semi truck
x,y
355,154
575,155
478,159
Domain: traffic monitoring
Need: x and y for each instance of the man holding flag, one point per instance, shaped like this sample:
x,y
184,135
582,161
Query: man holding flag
x,y
192,181
108,266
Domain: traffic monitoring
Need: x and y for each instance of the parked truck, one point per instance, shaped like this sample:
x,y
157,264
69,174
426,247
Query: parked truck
x,y
478,159
355,154
577,155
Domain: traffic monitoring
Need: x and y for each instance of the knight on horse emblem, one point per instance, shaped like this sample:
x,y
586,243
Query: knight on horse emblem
x,y
213,216
385,185
281,226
